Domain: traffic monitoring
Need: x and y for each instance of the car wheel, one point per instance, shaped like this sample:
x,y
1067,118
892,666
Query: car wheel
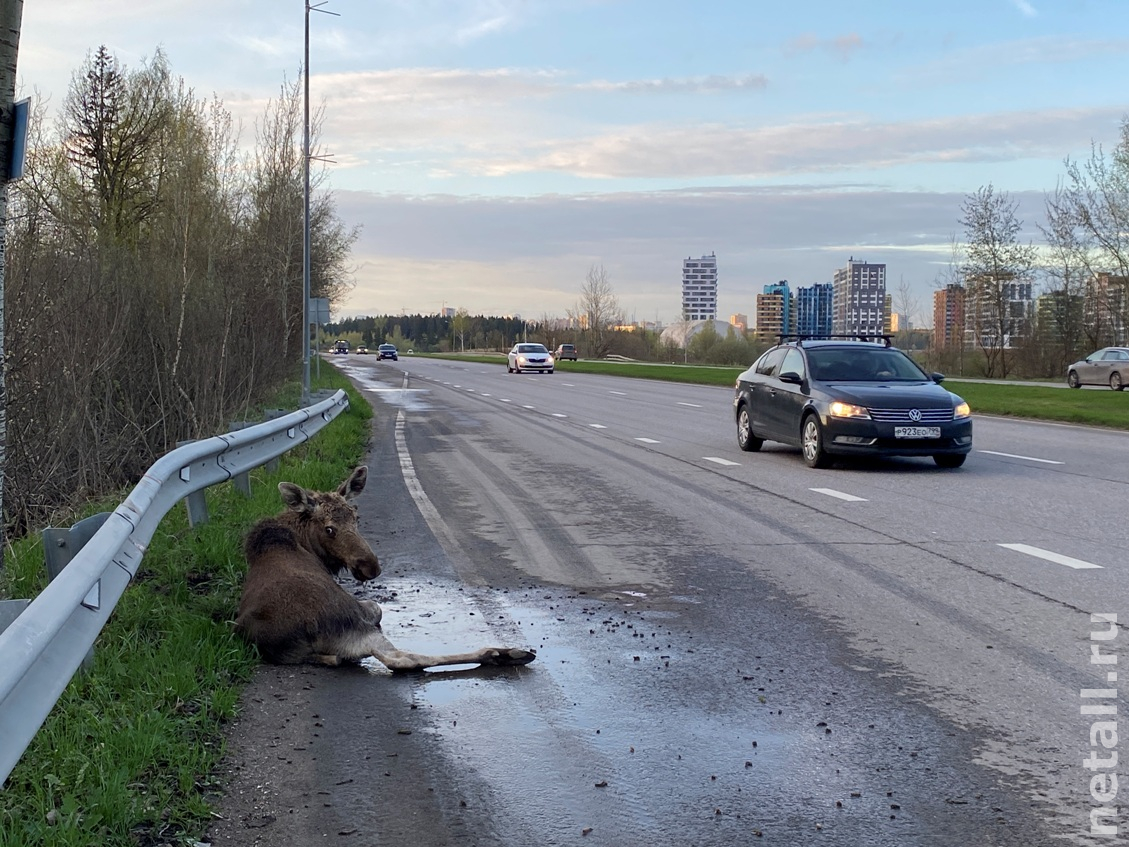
x,y
1115,381
949,460
1072,380
745,438
509,370
811,440
550,370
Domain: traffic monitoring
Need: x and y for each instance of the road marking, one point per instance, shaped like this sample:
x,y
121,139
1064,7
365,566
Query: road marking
x,y
597,426
484,394
505,399
529,407
1025,458
1057,558
719,461
620,393
648,440
691,405
559,415
831,492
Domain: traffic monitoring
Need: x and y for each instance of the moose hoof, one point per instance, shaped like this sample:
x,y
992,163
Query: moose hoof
x,y
508,656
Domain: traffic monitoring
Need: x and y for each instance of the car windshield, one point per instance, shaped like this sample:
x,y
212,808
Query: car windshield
x,y
531,348
862,364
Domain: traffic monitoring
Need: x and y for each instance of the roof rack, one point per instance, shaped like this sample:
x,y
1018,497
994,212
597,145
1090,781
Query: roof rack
x,y
801,338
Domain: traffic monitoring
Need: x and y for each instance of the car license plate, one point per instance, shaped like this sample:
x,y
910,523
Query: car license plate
x,y
917,432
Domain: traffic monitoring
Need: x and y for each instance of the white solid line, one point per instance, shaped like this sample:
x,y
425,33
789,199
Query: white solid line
x,y
725,462
1025,458
648,440
831,492
1057,558
691,405
559,415
597,426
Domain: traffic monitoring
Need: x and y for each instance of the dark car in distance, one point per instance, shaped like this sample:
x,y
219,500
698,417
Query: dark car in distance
x,y
387,351
849,396
565,351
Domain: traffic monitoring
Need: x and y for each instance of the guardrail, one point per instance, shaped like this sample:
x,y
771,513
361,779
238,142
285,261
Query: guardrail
x,y
44,646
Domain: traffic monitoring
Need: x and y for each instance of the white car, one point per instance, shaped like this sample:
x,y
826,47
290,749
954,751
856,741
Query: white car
x,y
530,357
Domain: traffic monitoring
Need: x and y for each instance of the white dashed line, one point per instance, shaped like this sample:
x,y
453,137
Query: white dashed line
x,y
1057,558
648,440
620,393
505,400
718,461
1025,458
597,426
529,407
831,492
691,405
559,415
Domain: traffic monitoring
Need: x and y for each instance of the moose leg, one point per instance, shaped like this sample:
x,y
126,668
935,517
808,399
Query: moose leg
x,y
374,643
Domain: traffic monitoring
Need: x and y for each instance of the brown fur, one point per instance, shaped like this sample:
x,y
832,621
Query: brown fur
x,y
293,609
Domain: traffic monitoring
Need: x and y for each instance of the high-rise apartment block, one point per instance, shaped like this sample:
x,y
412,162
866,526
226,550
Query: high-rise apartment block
x,y
813,309
699,288
775,312
860,303
948,315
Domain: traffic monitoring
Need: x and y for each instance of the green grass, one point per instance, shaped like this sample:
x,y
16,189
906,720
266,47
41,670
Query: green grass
x,y
128,755
1018,399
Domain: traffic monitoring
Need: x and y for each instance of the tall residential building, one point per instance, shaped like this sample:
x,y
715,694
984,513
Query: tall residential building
x,y
1106,299
948,315
739,322
998,311
775,312
860,299
699,288
813,309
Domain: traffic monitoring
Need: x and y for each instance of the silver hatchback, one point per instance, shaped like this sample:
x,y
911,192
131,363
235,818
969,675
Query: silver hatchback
x,y
1108,366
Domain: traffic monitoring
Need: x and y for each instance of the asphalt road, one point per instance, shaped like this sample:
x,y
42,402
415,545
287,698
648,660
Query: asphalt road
x,y
732,648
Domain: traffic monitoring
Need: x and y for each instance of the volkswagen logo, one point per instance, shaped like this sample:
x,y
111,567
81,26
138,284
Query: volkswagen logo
x,y
915,415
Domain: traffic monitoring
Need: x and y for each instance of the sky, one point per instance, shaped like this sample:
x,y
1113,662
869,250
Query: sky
x,y
492,152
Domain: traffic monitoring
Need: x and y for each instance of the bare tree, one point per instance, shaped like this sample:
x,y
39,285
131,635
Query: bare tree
x,y
598,310
998,272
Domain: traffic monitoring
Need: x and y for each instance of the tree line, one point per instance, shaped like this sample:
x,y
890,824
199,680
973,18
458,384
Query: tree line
x,y
154,278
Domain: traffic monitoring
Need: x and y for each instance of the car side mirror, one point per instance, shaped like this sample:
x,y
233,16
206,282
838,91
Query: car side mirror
x,y
791,377
937,377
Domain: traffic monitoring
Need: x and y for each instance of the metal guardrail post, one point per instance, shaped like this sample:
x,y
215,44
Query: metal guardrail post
x,y
61,545
241,481
197,502
10,610
269,415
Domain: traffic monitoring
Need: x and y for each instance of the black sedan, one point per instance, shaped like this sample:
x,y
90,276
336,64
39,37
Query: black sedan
x,y
835,397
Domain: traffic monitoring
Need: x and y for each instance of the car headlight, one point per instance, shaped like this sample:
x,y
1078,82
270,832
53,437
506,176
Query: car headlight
x,y
839,409
962,410
521,359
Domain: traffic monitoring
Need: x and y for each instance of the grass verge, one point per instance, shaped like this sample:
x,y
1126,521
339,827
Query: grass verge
x,y
128,754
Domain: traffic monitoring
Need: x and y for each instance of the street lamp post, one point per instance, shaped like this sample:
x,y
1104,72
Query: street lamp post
x,y
316,7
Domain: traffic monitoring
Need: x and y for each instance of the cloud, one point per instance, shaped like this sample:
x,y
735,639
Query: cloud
x,y
1025,7
842,46
812,146
687,85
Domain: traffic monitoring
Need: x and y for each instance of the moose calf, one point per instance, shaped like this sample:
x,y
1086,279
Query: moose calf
x,y
294,611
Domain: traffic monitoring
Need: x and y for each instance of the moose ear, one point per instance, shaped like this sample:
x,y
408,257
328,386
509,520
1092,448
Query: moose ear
x,y
295,497
355,484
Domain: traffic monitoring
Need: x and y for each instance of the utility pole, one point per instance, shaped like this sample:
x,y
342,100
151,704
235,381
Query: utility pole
x,y
11,15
